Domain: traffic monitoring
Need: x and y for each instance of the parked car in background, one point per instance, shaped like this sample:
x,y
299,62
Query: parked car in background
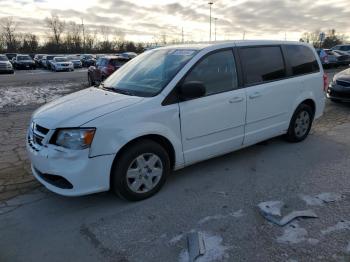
x,y
323,57
37,59
105,66
343,58
344,48
10,56
61,63
47,61
23,62
76,61
5,65
129,55
87,60
339,88
172,107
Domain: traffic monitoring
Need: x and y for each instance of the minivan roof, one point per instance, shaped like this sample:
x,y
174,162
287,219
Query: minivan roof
x,y
223,44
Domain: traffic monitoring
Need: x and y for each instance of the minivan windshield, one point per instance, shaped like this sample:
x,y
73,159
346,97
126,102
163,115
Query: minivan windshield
x,y
147,74
3,58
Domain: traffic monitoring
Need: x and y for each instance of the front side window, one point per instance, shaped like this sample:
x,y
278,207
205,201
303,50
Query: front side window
x,y
301,59
262,64
217,72
150,72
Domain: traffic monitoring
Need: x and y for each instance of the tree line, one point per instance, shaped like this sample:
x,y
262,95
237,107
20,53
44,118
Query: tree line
x,y
64,37
332,38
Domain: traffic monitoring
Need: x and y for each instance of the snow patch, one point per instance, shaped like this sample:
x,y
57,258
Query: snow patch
x,y
322,198
342,225
27,95
215,250
293,234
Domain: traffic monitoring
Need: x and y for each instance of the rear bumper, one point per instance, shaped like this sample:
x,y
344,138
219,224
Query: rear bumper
x,y
70,173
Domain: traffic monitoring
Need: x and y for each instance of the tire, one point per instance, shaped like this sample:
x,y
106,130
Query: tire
x,y
301,124
91,82
134,177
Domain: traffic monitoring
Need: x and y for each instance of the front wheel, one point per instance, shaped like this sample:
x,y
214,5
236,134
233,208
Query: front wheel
x,y
301,123
140,171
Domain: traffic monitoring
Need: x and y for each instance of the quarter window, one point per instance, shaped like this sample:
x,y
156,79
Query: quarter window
x,y
301,59
217,72
262,64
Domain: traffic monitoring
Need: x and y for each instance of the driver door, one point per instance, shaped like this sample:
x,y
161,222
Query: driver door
x,y
213,124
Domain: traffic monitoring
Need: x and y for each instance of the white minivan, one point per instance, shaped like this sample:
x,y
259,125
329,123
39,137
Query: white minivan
x,y
171,107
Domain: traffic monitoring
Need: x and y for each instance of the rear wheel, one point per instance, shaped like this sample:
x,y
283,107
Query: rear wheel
x,y
300,124
140,171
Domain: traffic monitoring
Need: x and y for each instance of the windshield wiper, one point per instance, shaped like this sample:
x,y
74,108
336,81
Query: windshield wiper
x,y
116,90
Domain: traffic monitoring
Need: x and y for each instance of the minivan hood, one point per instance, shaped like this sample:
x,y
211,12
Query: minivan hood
x,y
81,107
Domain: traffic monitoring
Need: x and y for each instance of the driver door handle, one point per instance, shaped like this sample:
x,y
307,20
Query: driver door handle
x,y
236,99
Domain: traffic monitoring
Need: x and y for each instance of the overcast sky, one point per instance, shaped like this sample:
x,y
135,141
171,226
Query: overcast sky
x,y
147,19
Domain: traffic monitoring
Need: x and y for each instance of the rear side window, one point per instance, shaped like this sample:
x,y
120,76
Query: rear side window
x,y
301,59
262,64
217,72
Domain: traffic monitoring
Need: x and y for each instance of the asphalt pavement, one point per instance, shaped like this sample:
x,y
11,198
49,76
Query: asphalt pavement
x,y
217,198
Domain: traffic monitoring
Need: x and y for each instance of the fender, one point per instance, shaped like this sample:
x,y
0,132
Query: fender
x,y
112,135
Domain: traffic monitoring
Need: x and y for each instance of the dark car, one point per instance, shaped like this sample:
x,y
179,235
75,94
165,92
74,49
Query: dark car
x,y
339,88
23,62
5,65
337,58
87,60
37,59
105,66
10,56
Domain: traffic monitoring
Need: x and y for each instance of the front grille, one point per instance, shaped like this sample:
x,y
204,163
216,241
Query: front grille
x,y
343,83
36,136
3,66
339,94
42,129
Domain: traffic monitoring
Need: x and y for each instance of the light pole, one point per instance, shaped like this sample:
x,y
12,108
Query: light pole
x,y
215,19
210,4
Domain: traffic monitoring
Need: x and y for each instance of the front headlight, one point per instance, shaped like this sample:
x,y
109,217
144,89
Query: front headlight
x,y
75,138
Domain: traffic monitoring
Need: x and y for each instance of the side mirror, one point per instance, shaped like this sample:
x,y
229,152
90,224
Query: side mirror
x,y
191,90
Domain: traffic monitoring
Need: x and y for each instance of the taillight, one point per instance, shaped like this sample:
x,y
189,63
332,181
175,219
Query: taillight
x,y
325,82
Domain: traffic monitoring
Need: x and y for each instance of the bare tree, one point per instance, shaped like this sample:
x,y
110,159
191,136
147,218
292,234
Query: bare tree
x,y
8,32
56,26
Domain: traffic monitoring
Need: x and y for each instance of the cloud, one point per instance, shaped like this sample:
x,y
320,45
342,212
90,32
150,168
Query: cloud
x,y
267,18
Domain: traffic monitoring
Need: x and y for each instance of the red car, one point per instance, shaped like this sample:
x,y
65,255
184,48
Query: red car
x,y
105,66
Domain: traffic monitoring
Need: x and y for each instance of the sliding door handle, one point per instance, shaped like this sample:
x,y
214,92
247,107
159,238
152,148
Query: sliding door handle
x,y
236,99
255,95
